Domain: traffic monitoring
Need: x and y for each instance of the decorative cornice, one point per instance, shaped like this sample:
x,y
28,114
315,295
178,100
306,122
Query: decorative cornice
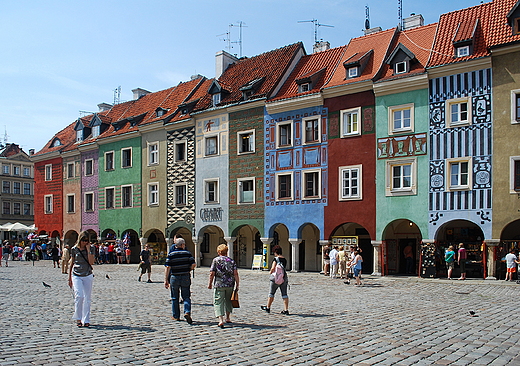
x,y
401,85
505,49
292,104
350,88
124,136
45,156
459,67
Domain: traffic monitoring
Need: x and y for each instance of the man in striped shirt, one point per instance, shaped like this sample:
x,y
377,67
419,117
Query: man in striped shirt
x,y
177,278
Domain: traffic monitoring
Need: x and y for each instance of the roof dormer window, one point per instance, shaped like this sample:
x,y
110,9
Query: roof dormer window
x,y
353,72
95,131
215,98
513,18
56,142
463,51
304,87
79,135
159,113
400,67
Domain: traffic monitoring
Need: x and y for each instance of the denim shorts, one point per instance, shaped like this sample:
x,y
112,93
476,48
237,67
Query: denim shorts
x,y
357,271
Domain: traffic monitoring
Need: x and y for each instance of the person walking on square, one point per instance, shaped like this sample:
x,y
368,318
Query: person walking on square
x,y
326,260
55,255
177,278
128,253
273,286
342,259
356,264
65,257
146,265
81,278
449,258
334,262
462,256
511,262
223,275
6,252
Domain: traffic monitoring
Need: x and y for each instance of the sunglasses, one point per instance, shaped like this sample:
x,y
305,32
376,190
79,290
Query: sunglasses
x,y
84,239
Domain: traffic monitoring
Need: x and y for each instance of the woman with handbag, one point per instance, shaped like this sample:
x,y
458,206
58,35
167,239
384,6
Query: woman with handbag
x,y
223,276
82,258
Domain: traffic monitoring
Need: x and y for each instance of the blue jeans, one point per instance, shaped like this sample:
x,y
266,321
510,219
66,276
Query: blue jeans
x,y
180,282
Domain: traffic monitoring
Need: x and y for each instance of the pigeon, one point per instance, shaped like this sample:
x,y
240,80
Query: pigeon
x,y
472,313
107,277
44,284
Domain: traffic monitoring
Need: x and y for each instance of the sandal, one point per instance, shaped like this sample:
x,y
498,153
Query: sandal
x,y
78,323
221,325
86,325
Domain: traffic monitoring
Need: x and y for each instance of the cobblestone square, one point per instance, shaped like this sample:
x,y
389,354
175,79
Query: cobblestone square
x,y
388,321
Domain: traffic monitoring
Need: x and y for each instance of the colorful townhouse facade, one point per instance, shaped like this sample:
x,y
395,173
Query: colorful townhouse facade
x,y
403,138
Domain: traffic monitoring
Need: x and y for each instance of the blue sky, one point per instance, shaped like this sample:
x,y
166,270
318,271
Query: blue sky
x,y
62,57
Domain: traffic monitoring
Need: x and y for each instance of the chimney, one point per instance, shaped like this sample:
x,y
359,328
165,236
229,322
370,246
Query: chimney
x,y
320,46
372,30
222,61
104,107
413,21
31,151
138,93
196,76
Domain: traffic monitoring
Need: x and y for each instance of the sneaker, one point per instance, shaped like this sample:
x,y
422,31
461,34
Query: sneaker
x,y
149,281
188,318
285,312
139,279
265,308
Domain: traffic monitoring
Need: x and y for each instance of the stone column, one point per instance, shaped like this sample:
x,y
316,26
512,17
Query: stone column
x,y
230,240
323,243
196,242
169,242
265,253
295,254
377,257
491,264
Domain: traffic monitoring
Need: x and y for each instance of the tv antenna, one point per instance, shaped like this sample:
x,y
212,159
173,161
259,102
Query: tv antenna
x,y
227,36
367,17
316,26
400,13
226,39
117,95
5,139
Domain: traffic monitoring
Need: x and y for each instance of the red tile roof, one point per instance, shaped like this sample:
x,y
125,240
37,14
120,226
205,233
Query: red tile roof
x,y
500,33
324,62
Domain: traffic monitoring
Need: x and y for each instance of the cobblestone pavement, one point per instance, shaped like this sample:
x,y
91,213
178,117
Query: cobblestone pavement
x,y
388,321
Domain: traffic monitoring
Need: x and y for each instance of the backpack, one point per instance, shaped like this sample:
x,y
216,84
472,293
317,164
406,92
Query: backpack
x,y
279,273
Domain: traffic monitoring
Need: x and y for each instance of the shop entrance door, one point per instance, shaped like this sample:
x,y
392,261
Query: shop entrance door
x,y
403,243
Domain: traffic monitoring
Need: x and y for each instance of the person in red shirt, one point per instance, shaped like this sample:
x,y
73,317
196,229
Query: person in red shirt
x,y
462,255
111,258
128,252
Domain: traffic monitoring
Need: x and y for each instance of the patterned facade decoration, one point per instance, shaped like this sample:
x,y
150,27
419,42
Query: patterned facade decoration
x,y
181,172
401,146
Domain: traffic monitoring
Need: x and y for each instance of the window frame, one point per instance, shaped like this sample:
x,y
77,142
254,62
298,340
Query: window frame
x,y
351,197
17,188
315,130
25,184
96,131
216,191
15,210
514,173
89,194
208,138
153,154
390,190
448,113
398,64
129,198
215,99
48,204
129,157
240,191
304,87
353,72
27,209
153,194
113,163
17,170
48,172
449,165
175,151
304,184
252,139
349,112
6,208
279,125
175,192
69,197
28,170
291,186
462,51
71,170
86,165
391,121
515,106
6,186
113,203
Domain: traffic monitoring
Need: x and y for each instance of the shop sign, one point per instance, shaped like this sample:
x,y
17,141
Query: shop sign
x,y
211,214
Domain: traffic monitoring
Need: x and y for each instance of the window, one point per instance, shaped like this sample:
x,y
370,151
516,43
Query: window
x,y
109,160
311,184
153,194
180,195
79,135
6,187
350,182
5,169
246,190
211,145
16,208
463,51
70,203
89,167
515,106
26,171
153,153
27,188
126,196
89,202
458,112
27,209
400,68
17,188
180,151
47,203
311,131
284,134
458,175
350,122
126,158
6,208
211,191
95,131
48,172
304,87
515,176
401,177
215,99
353,72
109,198
204,246
16,170
284,186
70,170
401,118
246,142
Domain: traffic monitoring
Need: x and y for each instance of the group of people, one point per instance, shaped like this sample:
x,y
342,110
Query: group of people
x,y
34,251
112,253
338,263
223,279
450,257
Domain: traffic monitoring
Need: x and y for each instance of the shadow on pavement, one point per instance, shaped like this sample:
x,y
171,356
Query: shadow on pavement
x,y
120,327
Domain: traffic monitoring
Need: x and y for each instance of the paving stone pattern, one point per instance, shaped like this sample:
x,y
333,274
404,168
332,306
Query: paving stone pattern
x,y
388,321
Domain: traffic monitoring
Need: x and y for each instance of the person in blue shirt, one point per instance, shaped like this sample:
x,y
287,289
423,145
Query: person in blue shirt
x,y
449,258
